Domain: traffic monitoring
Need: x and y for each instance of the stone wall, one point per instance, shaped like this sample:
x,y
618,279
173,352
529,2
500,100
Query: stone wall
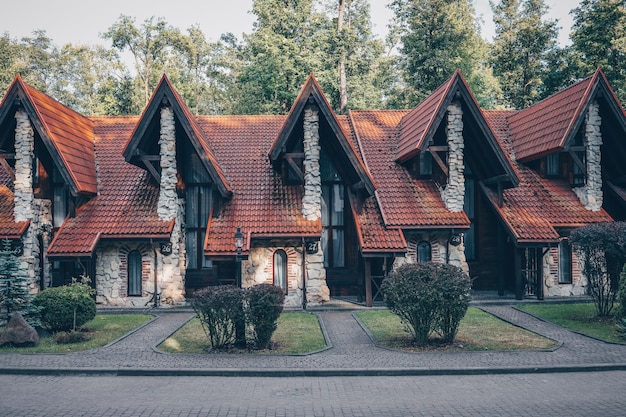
x,y
591,193
441,251
112,275
259,269
550,271
454,193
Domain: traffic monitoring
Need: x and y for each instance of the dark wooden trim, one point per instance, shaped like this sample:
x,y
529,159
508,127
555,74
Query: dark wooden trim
x,y
368,283
578,162
440,162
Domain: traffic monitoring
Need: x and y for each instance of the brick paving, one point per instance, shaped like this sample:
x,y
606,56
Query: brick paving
x,y
351,352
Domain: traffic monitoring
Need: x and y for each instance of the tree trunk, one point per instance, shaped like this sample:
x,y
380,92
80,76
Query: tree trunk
x,y
343,83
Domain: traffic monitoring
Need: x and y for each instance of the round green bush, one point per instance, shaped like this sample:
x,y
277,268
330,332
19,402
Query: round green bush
x,y
58,304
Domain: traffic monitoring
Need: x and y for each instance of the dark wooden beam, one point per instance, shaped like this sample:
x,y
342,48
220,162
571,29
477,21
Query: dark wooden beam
x,y
369,301
578,162
152,170
439,161
290,158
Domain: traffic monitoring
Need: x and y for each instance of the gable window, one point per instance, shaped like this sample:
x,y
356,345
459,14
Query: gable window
x,y
552,165
333,228
424,252
134,273
60,201
565,262
280,269
426,164
198,205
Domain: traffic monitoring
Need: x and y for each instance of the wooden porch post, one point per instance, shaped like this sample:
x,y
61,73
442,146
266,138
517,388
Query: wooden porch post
x,y
368,283
501,259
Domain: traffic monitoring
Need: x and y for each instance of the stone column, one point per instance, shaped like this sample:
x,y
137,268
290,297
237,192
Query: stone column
x,y
24,148
454,193
169,270
317,291
591,193
312,199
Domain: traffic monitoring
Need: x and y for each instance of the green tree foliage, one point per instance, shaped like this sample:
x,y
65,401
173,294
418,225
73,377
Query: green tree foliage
x,y
522,48
15,287
218,309
599,40
152,45
437,37
428,297
602,251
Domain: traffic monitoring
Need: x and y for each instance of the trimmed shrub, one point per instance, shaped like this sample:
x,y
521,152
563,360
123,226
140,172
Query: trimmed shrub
x,y
428,297
602,251
66,308
219,308
264,303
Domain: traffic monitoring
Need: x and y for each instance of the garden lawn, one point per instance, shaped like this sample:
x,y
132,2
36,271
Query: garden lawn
x,y
578,317
297,333
478,331
104,329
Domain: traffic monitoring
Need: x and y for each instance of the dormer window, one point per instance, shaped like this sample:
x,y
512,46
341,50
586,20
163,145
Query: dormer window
x,y
426,165
60,204
553,168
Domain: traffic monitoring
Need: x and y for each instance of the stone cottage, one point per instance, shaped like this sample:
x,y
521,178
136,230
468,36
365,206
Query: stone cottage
x,y
316,203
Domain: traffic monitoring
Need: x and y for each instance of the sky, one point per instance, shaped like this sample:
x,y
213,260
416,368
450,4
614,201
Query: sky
x,y
82,22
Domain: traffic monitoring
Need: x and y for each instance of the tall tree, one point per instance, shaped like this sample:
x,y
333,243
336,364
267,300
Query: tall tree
x,y
341,67
599,40
437,37
523,44
151,45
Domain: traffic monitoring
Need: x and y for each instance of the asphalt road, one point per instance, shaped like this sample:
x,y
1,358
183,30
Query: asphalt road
x,y
543,394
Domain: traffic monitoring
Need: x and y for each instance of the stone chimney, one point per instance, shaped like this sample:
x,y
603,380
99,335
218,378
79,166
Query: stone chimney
x,y
453,194
312,199
591,193
24,149
168,202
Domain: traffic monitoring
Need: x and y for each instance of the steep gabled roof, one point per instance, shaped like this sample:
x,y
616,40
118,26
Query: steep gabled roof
x,y
312,91
419,126
533,211
262,204
550,125
404,202
68,136
139,139
126,207
9,228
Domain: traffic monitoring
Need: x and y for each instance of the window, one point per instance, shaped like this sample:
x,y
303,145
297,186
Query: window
x,y
565,262
134,273
60,201
426,164
552,165
280,269
424,253
468,206
198,199
333,228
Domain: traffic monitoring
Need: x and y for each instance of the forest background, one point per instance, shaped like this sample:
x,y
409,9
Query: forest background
x,y
261,72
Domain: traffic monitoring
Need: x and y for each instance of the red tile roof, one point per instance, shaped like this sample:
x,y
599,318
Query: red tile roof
x,y
261,204
9,229
416,124
71,136
126,205
546,126
404,202
534,210
374,237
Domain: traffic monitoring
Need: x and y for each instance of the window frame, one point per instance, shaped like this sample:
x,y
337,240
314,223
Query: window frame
x,y
276,270
565,268
134,270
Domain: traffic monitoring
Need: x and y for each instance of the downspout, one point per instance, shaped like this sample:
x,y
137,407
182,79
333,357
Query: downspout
x,y
303,275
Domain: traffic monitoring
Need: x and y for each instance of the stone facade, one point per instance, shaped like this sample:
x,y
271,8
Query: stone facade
x,y
317,291
454,193
259,269
552,287
591,193
441,250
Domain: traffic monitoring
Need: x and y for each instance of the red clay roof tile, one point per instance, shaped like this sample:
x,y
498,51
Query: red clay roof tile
x,y
9,228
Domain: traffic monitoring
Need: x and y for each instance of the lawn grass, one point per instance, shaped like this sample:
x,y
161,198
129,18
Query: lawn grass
x,y
578,317
104,329
478,331
297,333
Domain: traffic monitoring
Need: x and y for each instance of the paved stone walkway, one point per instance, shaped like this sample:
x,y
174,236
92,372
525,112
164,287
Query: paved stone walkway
x,y
351,352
